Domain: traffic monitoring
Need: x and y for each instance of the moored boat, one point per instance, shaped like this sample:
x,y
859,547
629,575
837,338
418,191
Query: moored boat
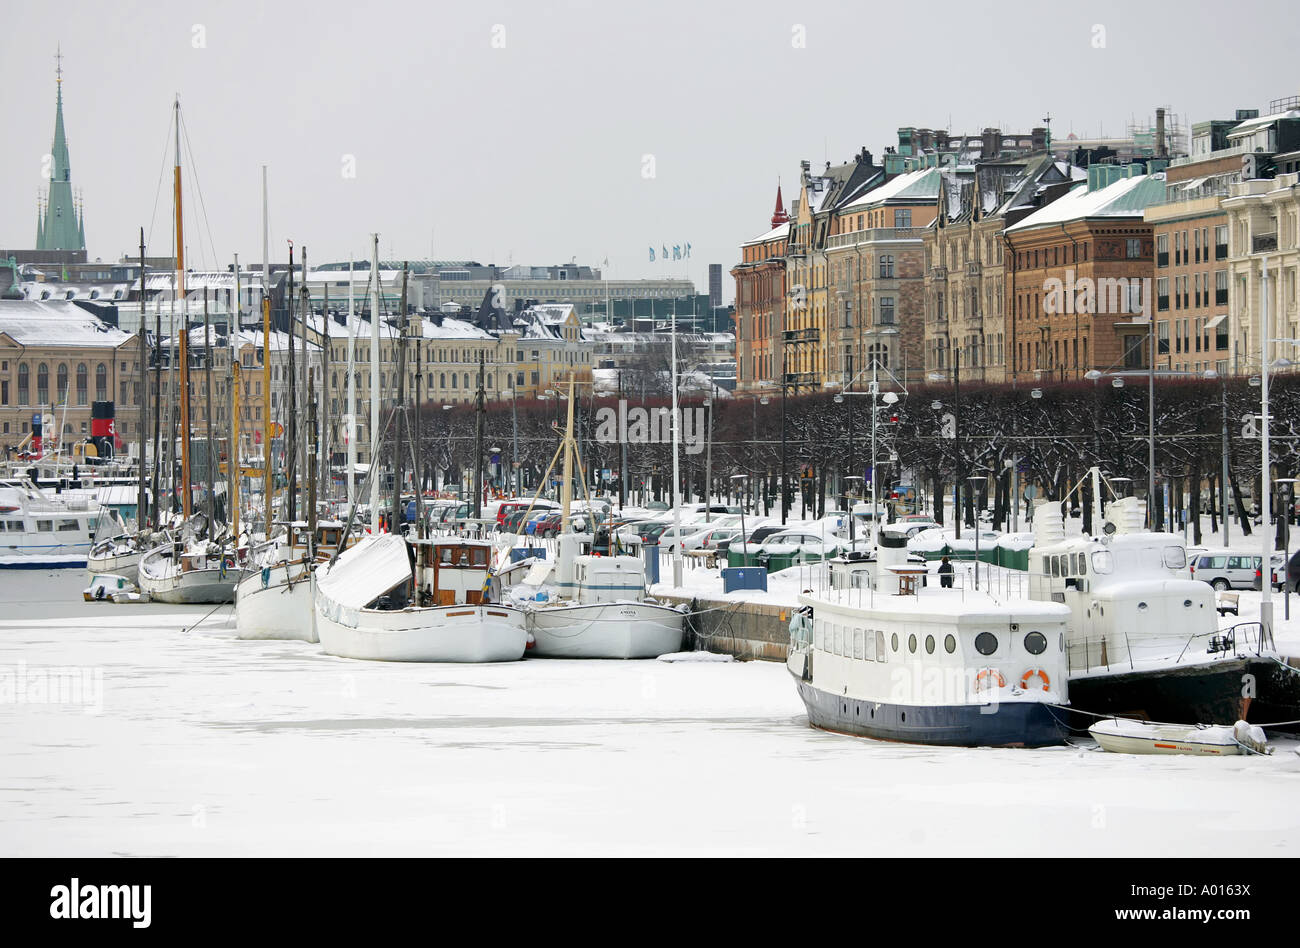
x,y
276,594
1126,736
889,657
39,530
393,599
201,571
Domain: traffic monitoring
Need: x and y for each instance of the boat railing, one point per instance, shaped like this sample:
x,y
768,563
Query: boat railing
x,y
1239,638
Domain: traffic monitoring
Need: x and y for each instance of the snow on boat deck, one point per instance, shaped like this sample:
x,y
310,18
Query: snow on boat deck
x,y
211,746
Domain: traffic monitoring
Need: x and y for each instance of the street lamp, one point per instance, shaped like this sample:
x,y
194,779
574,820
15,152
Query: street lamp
x,y
739,477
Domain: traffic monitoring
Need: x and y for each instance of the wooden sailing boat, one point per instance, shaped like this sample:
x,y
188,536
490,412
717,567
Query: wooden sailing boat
x,y
192,567
587,605
392,598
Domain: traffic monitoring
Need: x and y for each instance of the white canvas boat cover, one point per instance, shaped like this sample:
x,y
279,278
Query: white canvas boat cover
x,y
539,573
367,571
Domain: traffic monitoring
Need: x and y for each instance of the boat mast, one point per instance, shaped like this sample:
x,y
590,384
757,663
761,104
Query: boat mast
x,y
291,388
207,382
478,440
234,455
352,392
157,405
322,396
304,369
374,385
184,340
268,479
141,509
395,518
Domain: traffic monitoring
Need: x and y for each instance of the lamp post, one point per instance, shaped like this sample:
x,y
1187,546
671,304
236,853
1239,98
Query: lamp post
x,y
740,477
708,461
1286,495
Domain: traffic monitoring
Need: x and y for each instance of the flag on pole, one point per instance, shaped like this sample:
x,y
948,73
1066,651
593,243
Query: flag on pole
x,y
665,251
688,250
652,255
677,251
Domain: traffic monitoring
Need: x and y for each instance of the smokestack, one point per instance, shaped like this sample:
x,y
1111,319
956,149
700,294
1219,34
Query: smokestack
x,y
1161,151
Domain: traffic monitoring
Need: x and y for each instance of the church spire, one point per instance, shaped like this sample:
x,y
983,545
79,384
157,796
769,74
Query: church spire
x,y
779,217
60,230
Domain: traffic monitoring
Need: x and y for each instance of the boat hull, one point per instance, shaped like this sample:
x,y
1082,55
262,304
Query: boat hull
x,y
491,633
1006,724
1258,690
605,630
283,608
194,587
125,564
1213,742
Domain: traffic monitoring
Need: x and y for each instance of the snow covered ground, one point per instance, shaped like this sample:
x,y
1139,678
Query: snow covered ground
x,y
206,745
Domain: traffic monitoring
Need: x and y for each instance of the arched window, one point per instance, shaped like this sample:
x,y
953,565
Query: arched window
x,y
81,383
24,378
334,380
101,383
42,384
442,380
63,381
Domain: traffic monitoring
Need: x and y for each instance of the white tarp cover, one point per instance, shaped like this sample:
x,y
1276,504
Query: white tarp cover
x,y
367,571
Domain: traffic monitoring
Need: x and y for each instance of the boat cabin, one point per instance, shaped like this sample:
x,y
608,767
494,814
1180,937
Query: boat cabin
x,y
451,571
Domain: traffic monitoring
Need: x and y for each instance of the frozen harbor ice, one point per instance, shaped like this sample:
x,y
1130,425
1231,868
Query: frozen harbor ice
x,y
206,745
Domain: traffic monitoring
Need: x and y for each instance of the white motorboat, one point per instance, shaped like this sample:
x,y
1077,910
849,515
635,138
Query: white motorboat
x,y
1125,736
110,587
393,599
883,655
585,606
276,594
40,530
198,572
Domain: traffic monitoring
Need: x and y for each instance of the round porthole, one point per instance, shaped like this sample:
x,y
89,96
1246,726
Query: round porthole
x,y
986,643
893,641
1142,607
950,644
911,644
1035,643
1187,604
929,645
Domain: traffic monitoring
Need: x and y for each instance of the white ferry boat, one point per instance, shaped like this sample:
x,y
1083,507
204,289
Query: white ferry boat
x,y
587,606
393,599
882,654
40,530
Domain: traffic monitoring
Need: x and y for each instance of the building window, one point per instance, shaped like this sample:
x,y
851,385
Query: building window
x,y
81,383
1132,248
101,382
903,217
886,310
887,266
42,384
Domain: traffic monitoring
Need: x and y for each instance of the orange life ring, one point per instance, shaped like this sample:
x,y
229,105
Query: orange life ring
x,y
1024,679
989,673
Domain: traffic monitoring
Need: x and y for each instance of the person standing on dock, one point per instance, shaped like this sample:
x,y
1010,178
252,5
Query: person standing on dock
x,y
945,573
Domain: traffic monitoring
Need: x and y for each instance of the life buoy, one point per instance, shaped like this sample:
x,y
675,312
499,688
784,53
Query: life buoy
x,y
1038,672
989,674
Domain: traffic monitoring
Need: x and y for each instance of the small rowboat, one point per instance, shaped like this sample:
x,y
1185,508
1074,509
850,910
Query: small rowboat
x,y
1124,736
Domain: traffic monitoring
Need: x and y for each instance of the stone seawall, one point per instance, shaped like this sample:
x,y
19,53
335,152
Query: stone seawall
x,y
747,630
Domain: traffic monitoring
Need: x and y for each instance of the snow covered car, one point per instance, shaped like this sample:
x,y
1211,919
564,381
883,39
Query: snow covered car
x,y
800,545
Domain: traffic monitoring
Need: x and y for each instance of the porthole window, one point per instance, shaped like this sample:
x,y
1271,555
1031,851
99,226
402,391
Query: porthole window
x,y
911,643
1142,607
929,645
893,641
1187,604
1035,643
986,643
949,644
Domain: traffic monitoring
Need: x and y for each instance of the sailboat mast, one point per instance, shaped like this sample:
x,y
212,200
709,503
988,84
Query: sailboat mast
x,y
374,386
395,518
352,392
157,405
291,390
566,488
234,456
207,384
304,369
478,441
141,509
184,338
268,481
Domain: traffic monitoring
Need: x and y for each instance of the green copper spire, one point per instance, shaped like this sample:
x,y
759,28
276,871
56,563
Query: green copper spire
x,y
61,231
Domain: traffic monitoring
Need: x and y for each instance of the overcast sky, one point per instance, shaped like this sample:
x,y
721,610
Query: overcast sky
x,y
505,132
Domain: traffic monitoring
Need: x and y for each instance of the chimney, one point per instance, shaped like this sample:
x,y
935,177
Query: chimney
x,y
1161,151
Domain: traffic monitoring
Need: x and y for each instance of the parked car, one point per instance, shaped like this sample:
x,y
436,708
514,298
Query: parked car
x,y
755,537
1229,569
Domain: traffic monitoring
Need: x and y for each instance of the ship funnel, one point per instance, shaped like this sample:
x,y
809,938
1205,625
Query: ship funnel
x,y
890,551
569,544
1049,525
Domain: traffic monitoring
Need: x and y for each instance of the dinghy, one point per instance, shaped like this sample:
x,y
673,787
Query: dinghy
x,y
1125,736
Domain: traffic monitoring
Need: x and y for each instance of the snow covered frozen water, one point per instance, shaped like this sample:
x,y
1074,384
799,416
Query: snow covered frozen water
x,y
206,745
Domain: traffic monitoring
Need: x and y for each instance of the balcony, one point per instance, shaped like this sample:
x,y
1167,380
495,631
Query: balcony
x,y
1263,243
974,268
938,273
873,234
796,336
796,250
798,379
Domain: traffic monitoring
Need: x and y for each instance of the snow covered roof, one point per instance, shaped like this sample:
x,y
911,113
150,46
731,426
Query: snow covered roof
x,y
57,323
778,233
1127,197
920,185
